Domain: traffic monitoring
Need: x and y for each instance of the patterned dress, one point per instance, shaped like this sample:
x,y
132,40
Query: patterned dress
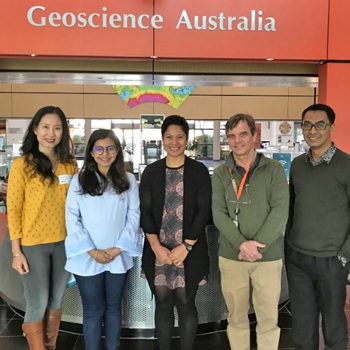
x,y
170,236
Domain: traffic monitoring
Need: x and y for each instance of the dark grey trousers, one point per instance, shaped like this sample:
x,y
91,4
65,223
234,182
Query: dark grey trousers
x,y
46,281
317,286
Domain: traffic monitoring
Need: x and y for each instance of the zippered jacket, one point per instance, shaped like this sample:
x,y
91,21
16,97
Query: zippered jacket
x,y
263,208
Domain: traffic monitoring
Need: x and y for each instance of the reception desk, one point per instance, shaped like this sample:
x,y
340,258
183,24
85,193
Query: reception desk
x,y
138,304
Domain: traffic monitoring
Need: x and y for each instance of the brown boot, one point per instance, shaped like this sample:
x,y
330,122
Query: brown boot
x,y
33,331
52,326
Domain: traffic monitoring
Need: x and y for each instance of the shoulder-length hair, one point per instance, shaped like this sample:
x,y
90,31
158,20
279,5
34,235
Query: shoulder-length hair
x,y
37,162
91,180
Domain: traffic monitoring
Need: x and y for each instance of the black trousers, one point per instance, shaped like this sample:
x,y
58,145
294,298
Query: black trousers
x,y
317,286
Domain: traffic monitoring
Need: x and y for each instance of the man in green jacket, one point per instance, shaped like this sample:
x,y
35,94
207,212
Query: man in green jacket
x,y
250,210
318,235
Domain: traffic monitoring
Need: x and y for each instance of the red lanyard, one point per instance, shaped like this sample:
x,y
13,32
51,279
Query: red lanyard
x,y
241,185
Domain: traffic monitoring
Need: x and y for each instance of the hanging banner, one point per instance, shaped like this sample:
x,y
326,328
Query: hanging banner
x,y
134,95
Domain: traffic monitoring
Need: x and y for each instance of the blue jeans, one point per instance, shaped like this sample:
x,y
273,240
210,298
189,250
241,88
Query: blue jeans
x,y
102,302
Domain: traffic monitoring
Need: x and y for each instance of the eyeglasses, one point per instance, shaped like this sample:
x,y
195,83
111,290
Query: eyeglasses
x,y
318,126
246,190
109,149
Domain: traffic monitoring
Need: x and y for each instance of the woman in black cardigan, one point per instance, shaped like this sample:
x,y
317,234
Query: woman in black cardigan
x,y
175,208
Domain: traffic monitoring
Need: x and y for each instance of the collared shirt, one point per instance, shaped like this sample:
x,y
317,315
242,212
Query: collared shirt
x,y
326,157
241,170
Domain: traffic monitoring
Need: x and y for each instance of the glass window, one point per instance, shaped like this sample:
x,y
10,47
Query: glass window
x,y
298,132
77,133
101,124
203,124
201,138
129,134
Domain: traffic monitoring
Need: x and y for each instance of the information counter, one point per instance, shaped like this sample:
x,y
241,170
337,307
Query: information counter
x,y
138,304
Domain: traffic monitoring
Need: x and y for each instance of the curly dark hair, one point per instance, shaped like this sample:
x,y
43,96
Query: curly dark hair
x,y
94,184
37,162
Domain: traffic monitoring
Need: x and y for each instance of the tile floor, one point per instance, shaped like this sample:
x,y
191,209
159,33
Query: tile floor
x,y
11,335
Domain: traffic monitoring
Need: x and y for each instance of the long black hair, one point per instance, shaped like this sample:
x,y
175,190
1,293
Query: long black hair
x,y
37,162
116,177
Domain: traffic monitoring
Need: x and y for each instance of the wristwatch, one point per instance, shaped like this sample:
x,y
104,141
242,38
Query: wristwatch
x,y
188,246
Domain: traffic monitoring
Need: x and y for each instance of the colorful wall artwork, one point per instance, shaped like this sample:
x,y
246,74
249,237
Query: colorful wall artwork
x,y
134,95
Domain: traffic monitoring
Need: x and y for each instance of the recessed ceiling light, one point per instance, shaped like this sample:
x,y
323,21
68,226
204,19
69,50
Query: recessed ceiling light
x,y
33,55
269,59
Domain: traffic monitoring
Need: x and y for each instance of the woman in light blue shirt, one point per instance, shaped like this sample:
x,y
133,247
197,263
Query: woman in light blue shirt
x,y
103,220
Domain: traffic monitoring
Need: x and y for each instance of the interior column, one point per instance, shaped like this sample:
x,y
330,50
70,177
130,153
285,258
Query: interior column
x,y
334,90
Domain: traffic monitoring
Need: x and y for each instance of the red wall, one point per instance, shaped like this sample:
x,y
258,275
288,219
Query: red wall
x,y
313,30
334,90
300,29
334,77
339,30
19,37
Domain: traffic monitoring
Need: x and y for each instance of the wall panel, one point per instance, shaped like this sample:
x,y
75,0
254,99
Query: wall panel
x,y
26,105
301,91
98,89
46,88
112,107
296,105
195,107
260,107
5,87
252,90
5,105
100,101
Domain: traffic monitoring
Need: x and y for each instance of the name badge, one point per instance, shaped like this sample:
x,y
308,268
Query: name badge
x,y
64,179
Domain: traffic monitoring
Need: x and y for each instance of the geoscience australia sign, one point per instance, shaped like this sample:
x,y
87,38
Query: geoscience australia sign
x,y
37,16
239,29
